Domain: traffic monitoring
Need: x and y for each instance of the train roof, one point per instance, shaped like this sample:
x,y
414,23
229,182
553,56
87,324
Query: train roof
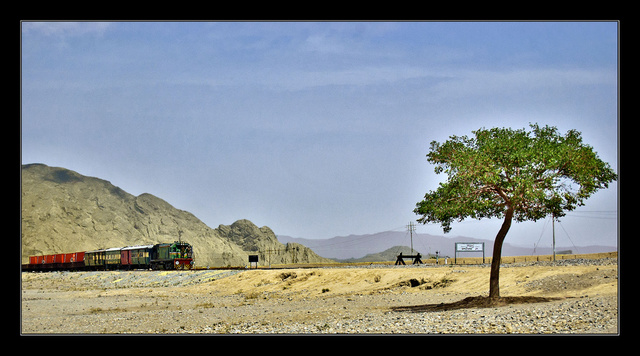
x,y
137,247
106,250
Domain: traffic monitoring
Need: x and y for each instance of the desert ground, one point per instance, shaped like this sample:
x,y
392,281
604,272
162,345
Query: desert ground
x,y
581,297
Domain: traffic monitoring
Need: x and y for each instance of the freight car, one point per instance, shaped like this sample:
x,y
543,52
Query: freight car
x,y
175,255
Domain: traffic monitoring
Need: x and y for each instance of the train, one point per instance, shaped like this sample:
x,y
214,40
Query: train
x,y
161,256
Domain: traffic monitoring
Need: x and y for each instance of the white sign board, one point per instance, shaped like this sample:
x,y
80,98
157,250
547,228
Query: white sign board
x,y
469,247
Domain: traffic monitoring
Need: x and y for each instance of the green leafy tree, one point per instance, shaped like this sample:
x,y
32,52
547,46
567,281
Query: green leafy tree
x,y
511,174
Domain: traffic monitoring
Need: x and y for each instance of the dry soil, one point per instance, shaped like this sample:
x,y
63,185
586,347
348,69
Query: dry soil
x,y
571,297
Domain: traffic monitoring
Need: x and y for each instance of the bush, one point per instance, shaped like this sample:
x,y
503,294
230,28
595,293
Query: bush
x,y
284,275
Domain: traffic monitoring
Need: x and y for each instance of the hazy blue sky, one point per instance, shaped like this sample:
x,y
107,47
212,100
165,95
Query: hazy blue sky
x,y
315,129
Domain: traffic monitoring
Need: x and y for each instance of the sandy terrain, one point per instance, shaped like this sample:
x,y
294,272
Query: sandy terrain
x,y
376,299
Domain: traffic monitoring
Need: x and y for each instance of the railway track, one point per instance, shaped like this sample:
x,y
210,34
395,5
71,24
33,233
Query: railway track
x,y
390,264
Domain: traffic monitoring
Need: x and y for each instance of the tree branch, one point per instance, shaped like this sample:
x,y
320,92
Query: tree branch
x,y
502,195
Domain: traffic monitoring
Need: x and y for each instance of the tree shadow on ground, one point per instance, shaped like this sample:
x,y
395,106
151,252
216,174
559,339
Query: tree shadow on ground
x,y
474,302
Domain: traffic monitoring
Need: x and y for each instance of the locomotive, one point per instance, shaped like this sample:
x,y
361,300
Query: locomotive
x,y
175,255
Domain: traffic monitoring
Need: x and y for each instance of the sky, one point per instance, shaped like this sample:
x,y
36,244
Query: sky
x,y
315,129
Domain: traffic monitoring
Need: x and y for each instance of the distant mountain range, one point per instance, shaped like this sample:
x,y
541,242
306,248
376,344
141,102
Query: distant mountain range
x,y
389,254
64,211
357,246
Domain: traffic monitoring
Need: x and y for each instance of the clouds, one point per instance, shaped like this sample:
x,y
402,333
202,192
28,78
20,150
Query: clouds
x,y
314,129
64,29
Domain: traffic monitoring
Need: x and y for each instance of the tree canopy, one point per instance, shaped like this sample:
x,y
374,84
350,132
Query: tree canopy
x,y
512,174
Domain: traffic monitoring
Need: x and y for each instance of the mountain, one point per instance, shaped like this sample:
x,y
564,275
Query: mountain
x,y
64,211
357,246
389,254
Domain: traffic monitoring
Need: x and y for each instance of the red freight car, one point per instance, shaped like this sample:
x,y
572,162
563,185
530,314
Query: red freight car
x,y
49,259
73,257
60,261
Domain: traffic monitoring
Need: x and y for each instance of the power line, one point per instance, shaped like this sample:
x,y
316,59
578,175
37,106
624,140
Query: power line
x,y
565,231
594,214
542,233
596,211
593,217
546,221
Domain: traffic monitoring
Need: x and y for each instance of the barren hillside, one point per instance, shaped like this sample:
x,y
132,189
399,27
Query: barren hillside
x,y
63,211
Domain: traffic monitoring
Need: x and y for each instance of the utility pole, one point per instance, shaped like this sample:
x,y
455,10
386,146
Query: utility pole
x,y
269,251
553,227
269,259
411,227
294,257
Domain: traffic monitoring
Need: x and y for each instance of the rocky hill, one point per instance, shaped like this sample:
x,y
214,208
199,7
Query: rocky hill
x,y
63,211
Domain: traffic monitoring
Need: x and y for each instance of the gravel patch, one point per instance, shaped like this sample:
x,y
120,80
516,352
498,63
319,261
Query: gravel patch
x,y
176,302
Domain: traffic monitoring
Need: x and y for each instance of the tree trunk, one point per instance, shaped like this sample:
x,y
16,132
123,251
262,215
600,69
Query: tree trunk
x,y
494,279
